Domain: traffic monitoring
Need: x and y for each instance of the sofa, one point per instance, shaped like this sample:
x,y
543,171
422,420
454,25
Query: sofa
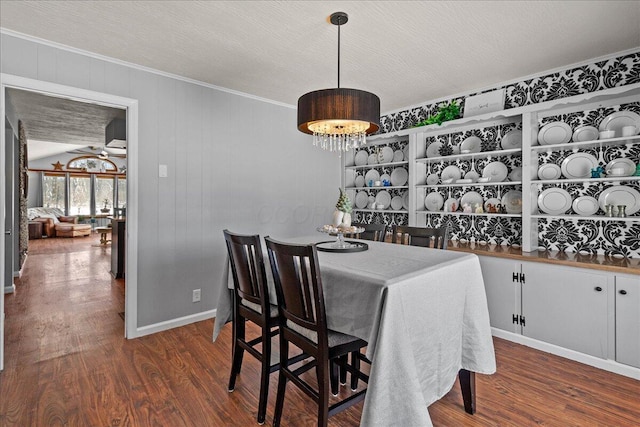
x,y
50,217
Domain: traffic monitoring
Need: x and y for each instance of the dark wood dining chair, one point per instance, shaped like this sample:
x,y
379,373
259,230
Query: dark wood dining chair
x,y
375,232
420,236
251,302
303,323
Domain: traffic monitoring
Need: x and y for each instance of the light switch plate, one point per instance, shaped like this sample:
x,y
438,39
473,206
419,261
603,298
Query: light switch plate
x,y
163,171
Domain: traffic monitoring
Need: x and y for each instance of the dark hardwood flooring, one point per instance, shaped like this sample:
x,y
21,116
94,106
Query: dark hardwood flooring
x,y
67,364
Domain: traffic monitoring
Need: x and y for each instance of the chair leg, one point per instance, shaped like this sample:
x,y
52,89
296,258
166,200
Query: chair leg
x,y
323,392
343,368
282,381
333,376
264,374
237,351
355,363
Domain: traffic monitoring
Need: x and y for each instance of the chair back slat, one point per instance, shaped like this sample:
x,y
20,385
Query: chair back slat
x,y
374,232
421,236
247,267
298,284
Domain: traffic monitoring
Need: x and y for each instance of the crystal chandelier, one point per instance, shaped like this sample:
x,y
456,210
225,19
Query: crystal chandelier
x,y
339,119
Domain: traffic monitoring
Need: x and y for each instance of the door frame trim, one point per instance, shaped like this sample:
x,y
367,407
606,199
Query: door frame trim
x,y
93,97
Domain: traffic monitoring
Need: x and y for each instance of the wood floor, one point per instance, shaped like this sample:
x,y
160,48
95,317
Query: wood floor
x,y
67,364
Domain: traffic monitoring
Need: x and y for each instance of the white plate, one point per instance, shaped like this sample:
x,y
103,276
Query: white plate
x,y
371,175
451,172
396,203
621,195
585,205
350,178
516,174
360,158
362,200
383,198
398,156
359,181
549,171
585,133
472,175
405,200
578,165
433,179
351,194
372,159
472,198
349,158
492,201
511,139
399,176
497,171
473,144
450,203
512,201
434,201
384,177
554,201
616,121
622,163
554,133
433,150
385,155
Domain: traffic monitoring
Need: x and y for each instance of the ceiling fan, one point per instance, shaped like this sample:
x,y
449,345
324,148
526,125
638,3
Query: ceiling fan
x,y
99,151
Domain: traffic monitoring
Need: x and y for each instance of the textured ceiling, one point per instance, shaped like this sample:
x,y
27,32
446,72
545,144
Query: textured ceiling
x,y
405,52
55,125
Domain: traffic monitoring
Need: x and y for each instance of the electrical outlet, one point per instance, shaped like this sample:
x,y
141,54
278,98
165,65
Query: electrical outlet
x,y
196,295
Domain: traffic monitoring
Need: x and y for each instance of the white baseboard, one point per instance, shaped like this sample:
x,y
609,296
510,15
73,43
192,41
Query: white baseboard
x,y
173,323
605,364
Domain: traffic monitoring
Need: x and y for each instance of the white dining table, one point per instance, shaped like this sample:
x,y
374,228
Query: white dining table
x,y
422,311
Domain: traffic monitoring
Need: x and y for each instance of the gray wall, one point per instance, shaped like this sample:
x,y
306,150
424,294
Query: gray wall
x,y
234,162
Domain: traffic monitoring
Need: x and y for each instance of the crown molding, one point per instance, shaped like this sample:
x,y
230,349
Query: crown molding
x,y
5,31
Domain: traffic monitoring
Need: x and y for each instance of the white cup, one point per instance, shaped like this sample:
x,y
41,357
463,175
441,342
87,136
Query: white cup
x,y
629,130
606,134
377,183
616,172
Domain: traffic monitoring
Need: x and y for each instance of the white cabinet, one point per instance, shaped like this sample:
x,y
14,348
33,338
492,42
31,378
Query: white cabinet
x,y
503,293
566,306
627,303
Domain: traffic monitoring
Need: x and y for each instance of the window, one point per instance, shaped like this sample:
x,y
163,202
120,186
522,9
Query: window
x,y
92,164
80,195
104,194
53,191
122,192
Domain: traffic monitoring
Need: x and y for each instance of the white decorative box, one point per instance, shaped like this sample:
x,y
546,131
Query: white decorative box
x,y
484,103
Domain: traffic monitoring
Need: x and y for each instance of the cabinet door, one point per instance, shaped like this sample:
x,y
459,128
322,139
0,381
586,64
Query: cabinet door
x,y
567,307
503,294
628,320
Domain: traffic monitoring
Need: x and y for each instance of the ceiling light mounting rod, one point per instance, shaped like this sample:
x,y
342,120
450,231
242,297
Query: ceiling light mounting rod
x,y
339,19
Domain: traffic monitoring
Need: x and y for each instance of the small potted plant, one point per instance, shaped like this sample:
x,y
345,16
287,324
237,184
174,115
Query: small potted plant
x,y
105,209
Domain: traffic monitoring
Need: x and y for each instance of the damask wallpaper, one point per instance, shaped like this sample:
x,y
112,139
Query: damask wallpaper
x,y
596,237
619,71
23,182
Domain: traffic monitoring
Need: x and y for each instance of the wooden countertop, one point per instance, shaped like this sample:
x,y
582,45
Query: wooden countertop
x,y
595,262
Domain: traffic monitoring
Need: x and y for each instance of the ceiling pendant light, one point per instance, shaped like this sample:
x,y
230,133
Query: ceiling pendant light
x,y
339,119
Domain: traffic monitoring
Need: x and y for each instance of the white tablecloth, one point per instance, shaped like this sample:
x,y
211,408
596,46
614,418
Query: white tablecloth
x,y
423,313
